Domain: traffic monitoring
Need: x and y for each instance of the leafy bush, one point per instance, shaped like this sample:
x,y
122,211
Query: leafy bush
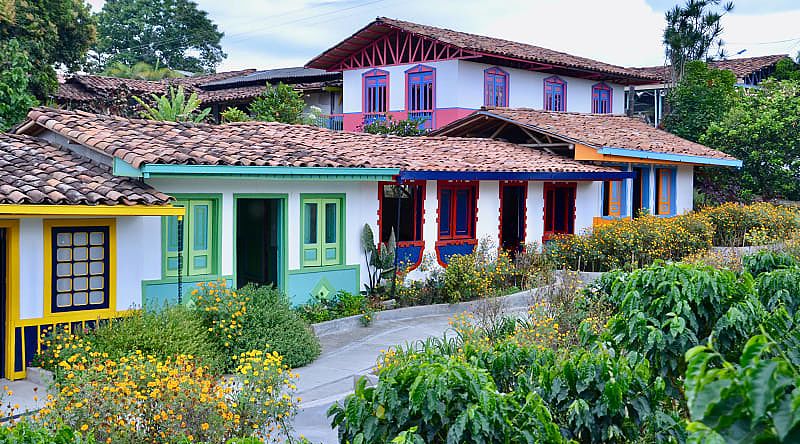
x,y
780,288
278,103
168,332
446,400
754,400
255,318
632,243
737,225
389,126
666,309
768,260
234,114
174,107
144,399
340,305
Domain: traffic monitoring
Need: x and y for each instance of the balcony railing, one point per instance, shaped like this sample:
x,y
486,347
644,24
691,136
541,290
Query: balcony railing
x,y
425,118
372,118
331,121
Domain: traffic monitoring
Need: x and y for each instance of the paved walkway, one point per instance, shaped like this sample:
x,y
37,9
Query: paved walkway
x,y
330,378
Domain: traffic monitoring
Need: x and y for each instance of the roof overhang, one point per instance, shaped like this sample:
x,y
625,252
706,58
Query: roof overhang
x,y
514,175
29,210
670,157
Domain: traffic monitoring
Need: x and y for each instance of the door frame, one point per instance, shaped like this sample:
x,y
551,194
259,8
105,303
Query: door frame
x,y
12,294
504,184
283,260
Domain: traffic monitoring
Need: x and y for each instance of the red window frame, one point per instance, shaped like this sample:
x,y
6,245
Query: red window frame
x,y
602,98
549,207
552,86
418,211
491,77
472,216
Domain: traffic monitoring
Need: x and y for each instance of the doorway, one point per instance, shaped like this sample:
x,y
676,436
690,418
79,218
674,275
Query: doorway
x,y
512,216
640,197
559,209
259,241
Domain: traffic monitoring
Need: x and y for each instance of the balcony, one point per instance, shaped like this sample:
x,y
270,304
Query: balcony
x,y
333,122
425,118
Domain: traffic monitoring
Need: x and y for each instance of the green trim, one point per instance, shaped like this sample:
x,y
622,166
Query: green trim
x,y
271,172
341,197
124,169
284,249
216,234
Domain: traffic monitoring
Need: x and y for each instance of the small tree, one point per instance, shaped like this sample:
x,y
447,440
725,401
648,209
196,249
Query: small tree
x,y
693,31
14,96
141,71
380,261
411,127
234,114
174,107
786,69
278,103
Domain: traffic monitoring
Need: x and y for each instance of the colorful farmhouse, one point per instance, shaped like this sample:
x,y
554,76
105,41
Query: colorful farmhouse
x,y
101,214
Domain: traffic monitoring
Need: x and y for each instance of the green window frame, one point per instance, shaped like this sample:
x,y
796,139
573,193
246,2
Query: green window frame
x,y
321,230
200,226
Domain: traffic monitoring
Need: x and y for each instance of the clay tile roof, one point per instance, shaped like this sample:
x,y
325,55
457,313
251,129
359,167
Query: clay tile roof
x,y
602,130
141,142
477,43
741,68
35,171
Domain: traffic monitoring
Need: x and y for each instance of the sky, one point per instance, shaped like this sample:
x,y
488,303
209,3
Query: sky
x,y
280,33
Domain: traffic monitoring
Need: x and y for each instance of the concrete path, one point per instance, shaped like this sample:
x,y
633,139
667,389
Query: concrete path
x,y
330,378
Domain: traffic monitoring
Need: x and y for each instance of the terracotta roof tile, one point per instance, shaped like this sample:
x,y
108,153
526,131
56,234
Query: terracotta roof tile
x,y
485,45
602,130
741,68
35,171
141,142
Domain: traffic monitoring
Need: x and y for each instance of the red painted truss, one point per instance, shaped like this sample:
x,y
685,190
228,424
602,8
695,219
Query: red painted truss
x,y
399,48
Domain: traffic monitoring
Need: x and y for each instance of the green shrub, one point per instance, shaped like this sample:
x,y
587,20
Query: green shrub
x,y
444,400
666,309
26,433
167,332
255,318
780,288
768,260
632,243
737,225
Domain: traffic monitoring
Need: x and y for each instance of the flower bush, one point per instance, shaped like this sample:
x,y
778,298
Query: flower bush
x,y
632,243
761,223
143,399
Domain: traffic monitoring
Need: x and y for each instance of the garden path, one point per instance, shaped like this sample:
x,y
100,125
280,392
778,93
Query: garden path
x,y
345,355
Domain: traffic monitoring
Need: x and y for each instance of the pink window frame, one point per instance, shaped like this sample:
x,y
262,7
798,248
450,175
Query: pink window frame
x,y
373,73
602,87
495,71
555,80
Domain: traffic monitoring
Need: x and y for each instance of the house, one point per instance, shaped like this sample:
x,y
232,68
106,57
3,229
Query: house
x,y
407,70
111,95
70,254
649,101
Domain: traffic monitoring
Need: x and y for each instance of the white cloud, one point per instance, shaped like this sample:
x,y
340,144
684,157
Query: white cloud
x,y
274,33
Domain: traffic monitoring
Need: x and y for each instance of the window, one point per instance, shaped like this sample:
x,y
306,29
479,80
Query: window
x,y
559,209
408,199
555,94
321,228
665,191
457,209
613,198
80,268
420,82
376,92
199,237
495,87
601,99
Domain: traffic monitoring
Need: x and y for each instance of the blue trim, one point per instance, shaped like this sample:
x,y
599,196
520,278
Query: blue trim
x,y
668,156
122,168
491,175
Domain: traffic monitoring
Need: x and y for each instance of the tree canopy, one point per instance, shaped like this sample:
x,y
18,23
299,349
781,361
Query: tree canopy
x,y
141,71
52,33
279,103
693,31
703,96
763,130
174,34
15,99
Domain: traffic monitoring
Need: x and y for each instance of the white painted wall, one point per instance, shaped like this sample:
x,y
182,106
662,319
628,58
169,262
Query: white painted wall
x,y
587,205
685,188
459,84
138,258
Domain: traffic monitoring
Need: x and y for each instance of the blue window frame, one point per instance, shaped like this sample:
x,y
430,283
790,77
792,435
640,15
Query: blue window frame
x,y
420,98
495,87
376,92
601,99
555,94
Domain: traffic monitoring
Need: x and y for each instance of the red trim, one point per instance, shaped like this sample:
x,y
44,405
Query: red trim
x,y
552,186
495,71
555,80
515,183
421,245
443,243
419,236
455,186
602,86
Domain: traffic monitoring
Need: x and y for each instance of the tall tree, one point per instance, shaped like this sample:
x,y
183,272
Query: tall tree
x,y
54,33
174,34
15,99
763,130
693,33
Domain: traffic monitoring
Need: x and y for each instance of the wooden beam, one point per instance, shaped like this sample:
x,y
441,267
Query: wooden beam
x,y
500,128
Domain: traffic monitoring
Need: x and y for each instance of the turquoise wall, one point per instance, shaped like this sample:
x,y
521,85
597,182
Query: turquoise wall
x,y
321,282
